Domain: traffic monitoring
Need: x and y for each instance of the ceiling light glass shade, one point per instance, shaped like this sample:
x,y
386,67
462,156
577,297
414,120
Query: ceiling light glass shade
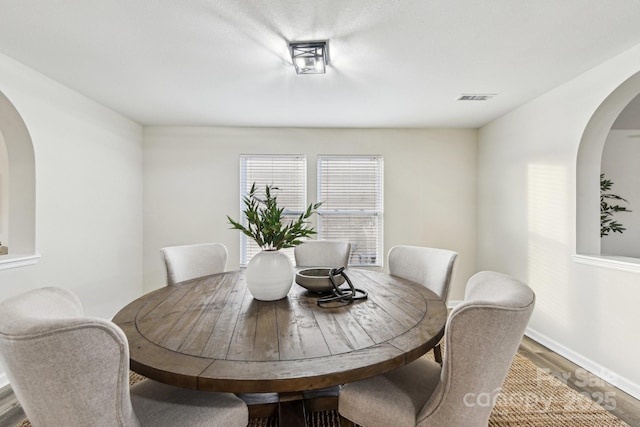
x,y
310,57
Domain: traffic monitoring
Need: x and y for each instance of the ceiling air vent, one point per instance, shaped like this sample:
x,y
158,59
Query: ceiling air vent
x,y
476,97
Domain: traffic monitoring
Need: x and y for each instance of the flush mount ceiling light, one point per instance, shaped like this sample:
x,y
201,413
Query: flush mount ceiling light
x,y
310,57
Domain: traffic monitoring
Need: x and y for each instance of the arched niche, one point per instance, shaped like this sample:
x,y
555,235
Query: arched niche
x,y
589,161
22,187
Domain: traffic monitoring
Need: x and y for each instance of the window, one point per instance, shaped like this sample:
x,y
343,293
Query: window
x,y
350,188
286,172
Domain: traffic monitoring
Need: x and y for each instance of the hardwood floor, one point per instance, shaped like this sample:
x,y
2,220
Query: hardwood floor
x,y
617,402
10,411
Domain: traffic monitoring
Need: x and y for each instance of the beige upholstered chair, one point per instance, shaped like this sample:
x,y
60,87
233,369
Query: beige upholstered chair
x,y
70,370
322,253
431,267
482,337
190,261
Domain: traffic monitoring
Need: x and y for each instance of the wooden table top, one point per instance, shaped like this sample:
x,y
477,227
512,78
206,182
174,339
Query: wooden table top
x,y
211,334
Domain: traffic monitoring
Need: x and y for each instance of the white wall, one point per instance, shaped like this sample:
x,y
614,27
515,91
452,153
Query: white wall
x,y
527,225
191,182
88,194
4,195
620,165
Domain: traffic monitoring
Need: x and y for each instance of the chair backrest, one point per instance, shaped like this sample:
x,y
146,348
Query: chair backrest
x,y
186,262
322,253
481,339
65,368
431,267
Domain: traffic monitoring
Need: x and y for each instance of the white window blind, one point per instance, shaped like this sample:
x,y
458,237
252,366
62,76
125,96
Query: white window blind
x,y
351,189
286,172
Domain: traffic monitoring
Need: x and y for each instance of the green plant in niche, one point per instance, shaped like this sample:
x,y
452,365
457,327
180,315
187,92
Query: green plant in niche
x,y
609,206
266,223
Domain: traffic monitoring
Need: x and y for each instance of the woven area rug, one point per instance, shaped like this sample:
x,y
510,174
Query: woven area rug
x,y
529,397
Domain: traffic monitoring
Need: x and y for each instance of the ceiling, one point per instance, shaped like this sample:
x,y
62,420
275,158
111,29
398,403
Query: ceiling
x,y
393,63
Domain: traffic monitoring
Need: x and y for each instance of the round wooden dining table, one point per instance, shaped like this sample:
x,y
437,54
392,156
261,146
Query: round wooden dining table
x,y
211,334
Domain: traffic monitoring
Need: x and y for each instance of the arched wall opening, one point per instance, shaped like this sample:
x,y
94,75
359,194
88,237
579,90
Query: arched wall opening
x,y
21,187
589,165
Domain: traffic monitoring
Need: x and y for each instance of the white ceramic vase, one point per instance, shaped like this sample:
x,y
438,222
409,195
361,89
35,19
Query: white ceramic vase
x,y
269,275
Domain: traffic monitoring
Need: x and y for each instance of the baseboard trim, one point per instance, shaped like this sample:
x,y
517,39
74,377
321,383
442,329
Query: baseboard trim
x,y
595,368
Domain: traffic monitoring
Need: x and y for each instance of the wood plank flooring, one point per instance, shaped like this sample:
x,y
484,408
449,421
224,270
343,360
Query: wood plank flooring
x,y
10,411
626,407
619,403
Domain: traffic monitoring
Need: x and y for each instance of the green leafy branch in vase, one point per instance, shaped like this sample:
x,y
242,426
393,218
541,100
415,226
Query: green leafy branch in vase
x,y
607,209
266,223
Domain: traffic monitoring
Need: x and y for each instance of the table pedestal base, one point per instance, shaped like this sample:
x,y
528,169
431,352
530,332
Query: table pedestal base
x,y
291,408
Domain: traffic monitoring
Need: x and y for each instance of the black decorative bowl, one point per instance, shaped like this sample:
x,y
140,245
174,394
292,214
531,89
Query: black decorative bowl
x,y
317,279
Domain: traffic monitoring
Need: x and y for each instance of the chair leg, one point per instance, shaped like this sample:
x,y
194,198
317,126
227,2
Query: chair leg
x,y
346,423
437,354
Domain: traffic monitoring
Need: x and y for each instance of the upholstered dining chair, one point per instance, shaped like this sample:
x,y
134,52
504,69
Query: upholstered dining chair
x,y
67,369
482,336
431,267
186,262
322,253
